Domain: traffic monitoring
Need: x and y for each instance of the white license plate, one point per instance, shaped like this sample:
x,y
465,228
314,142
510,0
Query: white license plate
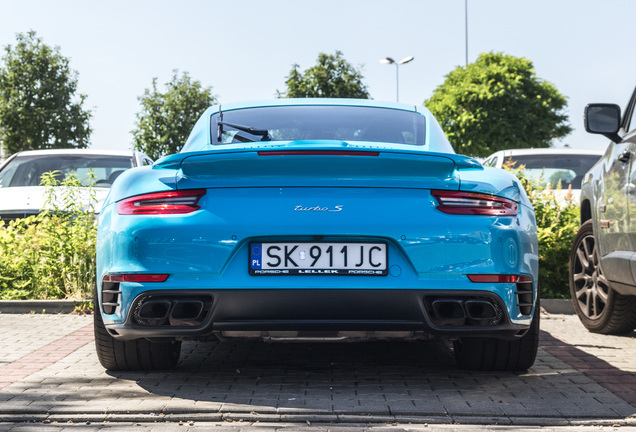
x,y
318,258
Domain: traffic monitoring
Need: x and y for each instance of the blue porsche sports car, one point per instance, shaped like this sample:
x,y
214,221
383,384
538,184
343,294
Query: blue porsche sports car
x,y
336,219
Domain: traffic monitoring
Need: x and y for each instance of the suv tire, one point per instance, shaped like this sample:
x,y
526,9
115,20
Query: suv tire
x,y
599,307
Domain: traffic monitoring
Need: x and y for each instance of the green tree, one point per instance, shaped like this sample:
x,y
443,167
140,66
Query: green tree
x,y
165,119
39,104
331,77
498,102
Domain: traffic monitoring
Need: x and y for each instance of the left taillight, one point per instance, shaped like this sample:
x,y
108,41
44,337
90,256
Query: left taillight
x,y
470,203
135,277
161,203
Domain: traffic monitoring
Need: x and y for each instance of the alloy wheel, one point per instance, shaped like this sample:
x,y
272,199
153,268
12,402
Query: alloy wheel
x,y
590,285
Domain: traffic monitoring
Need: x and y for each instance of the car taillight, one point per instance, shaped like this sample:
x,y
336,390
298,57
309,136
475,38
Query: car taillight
x,y
135,277
317,153
470,203
173,202
498,278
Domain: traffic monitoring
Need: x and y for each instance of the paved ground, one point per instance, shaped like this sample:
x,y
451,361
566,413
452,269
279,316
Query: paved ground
x,y
50,380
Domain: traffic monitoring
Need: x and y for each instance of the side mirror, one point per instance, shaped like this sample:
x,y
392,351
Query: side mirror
x,y
603,119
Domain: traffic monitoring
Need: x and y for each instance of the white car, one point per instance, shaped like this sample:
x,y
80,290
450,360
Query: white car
x,y
21,194
566,166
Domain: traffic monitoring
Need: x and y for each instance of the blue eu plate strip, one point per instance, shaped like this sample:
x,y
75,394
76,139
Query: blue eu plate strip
x,y
256,256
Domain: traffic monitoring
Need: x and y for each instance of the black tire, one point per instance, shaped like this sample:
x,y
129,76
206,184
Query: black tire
x,y
599,307
489,354
133,355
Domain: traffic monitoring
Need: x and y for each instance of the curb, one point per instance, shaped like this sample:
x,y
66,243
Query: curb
x,y
551,306
312,419
40,306
557,306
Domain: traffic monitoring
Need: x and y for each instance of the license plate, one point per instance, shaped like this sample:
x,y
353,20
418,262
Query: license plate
x,y
318,258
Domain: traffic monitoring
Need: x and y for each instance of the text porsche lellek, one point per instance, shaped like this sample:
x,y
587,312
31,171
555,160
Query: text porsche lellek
x,y
317,219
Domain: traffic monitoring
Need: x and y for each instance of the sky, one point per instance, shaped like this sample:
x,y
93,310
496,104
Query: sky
x,y
244,49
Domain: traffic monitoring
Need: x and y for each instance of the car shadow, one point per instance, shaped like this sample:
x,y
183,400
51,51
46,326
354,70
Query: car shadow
x,y
288,374
248,379
376,377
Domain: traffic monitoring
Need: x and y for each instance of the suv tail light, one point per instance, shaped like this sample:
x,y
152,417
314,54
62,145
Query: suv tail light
x,y
172,202
470,203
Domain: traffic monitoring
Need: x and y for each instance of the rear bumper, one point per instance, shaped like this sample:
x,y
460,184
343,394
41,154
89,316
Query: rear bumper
x,y
316,313
9,215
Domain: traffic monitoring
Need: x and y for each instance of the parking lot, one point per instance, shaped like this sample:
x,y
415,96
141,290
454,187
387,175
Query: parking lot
x,y
50,376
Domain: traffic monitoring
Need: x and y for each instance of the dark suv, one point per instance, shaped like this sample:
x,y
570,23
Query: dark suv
x,y
603,258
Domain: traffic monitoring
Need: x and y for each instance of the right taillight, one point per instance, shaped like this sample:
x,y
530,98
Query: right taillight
x,y
499,278
471,203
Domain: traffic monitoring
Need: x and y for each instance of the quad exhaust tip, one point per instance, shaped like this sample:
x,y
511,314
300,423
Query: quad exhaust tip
x,y
171,311
465,312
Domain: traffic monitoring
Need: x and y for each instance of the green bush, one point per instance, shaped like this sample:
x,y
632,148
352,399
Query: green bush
x,y
51,255
557,224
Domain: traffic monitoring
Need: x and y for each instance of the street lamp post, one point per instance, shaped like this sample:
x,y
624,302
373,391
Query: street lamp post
x,y
466,27
389,60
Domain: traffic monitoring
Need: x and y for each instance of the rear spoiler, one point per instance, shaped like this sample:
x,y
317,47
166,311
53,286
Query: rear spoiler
x,y
174,161
317,167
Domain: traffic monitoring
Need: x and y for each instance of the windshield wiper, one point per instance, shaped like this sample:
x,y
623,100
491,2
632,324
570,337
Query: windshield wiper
x,y
250,130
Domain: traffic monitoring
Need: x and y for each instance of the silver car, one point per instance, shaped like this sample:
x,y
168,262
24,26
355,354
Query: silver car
x,y
603,257
556,167
20,175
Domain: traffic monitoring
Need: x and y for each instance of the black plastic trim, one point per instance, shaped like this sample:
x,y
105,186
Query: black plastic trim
x,y
317,310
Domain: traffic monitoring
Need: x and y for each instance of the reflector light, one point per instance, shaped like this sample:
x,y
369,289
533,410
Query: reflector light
x,y
136,278
495,278
172,202
470,203
317,153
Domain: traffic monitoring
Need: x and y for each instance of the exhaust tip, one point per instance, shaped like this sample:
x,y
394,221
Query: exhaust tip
x,y
449,312
464,310
154,309
171,310
186,312
480,310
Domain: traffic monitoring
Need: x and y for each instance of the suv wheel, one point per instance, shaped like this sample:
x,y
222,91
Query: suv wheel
x,y
599,307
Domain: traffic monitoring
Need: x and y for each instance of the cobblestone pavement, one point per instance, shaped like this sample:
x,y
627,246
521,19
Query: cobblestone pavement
x,y
50,380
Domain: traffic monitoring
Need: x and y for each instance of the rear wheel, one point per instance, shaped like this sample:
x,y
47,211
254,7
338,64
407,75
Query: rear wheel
x,y
599,307
139,354
489,354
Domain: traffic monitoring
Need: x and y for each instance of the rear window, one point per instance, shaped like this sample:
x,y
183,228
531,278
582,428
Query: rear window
x,y
342,123
554,169
27,170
